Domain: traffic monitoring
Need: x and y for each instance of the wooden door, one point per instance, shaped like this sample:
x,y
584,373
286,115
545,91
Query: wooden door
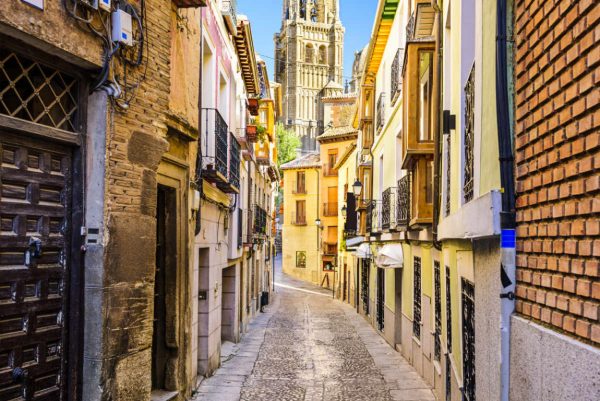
x,y
35,259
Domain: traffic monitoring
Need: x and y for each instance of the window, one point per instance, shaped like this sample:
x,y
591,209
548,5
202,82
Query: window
x,y
468,339
301,212
417,298
429,182
425,94
437,347
309,54
301,259
322,55
303,9
300,182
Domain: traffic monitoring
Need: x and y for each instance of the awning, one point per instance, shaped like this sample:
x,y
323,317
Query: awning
x,y
353,242
390,256
363,251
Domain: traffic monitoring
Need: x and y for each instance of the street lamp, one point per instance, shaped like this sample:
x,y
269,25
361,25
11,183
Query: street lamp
x,y
344,210
357,188
318,222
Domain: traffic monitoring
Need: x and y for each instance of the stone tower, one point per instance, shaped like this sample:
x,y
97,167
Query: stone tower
x,y
309,62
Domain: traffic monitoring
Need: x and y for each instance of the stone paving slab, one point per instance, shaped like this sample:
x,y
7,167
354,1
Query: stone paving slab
x,y
309,347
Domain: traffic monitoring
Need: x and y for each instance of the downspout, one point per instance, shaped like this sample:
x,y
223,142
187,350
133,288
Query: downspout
x,y
507,214
198,180
438,132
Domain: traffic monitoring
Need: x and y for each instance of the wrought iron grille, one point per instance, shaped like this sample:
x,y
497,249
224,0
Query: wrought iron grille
x,y
380,111
417,298
403,211
375,213
380,299
437,346
410,27
35,92
215,148
448,174
369,218
448,312
396,85
364,284
260,220
448,379
468,334
388,209
240,227
234,161
448,336
469,136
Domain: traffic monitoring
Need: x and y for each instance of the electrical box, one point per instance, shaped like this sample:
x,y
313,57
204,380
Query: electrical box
x,y
104,5
121,28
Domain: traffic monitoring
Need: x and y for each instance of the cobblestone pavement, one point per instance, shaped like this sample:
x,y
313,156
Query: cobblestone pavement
x,y
310,347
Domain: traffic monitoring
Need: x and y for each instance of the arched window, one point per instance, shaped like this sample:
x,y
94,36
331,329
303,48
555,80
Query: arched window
x,y
303,9
322,55
309,54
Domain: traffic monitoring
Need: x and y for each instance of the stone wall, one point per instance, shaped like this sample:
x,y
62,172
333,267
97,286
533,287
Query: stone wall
x,y
557,47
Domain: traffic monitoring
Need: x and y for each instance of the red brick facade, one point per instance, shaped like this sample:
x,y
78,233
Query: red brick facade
x,y
557,77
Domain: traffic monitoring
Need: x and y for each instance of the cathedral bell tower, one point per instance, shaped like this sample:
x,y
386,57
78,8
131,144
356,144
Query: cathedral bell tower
x,y
309,60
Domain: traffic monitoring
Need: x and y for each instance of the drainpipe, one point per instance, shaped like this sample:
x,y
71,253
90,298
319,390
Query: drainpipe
x,y
507,214
437,165
197,226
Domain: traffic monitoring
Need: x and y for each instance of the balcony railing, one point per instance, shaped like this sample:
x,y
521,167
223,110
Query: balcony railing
x,y
374,211
298,189
389,209
403,212
330,209
329,171
298,220
215,152
260,221
469,136
330,248
396,85
234,162
262,153
380,111
229,11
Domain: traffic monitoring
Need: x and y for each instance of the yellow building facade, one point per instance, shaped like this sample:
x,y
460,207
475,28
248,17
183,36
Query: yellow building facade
x,y
427,217
301,236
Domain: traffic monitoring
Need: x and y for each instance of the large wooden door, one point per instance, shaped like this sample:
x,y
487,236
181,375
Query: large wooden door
x,y
35,208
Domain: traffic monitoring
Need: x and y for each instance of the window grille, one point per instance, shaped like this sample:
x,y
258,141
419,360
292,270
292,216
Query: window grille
x,y
380,298
396,82
468,337
469,136
35,92
448,174
404,201
417,298
380,111
364,285
437,348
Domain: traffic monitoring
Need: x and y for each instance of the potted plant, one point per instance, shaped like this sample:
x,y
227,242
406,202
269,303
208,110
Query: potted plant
x,y
261,131
251,133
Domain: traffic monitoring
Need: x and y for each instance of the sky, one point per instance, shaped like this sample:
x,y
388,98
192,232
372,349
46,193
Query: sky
x,y
265,16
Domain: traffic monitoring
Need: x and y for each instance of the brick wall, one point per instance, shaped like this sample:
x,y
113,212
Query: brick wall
x,y
557,72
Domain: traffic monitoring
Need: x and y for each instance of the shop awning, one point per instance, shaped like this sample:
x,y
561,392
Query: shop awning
x,y
363,251
390,256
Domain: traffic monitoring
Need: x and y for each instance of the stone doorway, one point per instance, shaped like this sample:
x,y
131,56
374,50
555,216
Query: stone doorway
x,y
228,304
166,266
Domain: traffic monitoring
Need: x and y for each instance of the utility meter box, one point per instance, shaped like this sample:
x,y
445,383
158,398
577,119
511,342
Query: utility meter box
x,y
104,5
121,28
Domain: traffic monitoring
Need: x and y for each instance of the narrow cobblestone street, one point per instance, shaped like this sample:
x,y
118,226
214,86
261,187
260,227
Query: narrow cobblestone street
x,y
309,347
